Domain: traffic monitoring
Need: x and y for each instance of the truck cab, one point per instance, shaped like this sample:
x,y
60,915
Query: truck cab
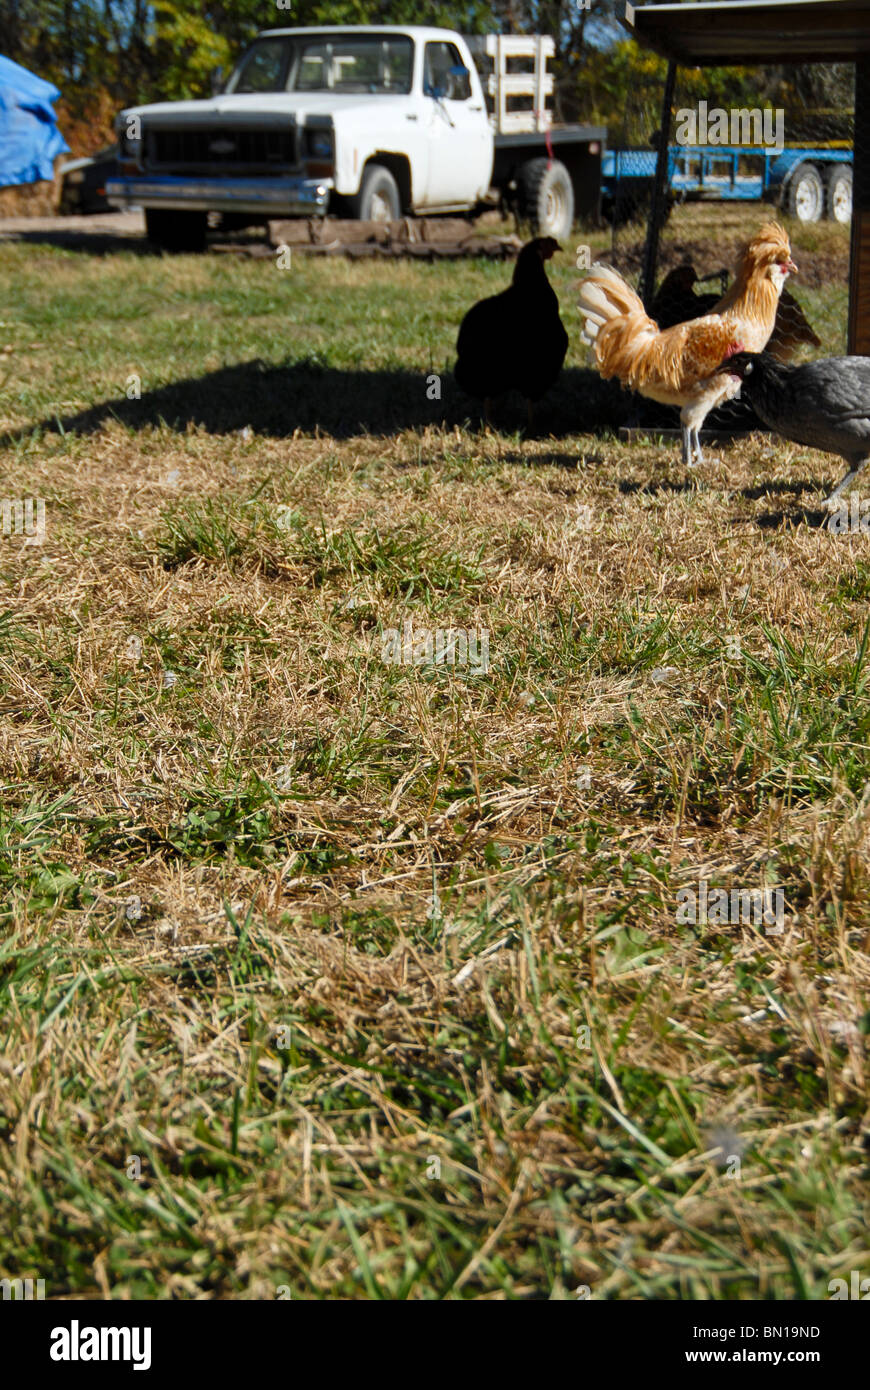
x,y
370,122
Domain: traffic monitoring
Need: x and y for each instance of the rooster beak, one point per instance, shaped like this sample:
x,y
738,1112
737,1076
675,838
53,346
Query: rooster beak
x,y
791,267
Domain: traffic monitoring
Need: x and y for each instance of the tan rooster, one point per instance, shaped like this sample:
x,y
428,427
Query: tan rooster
x,y
677,366
676,301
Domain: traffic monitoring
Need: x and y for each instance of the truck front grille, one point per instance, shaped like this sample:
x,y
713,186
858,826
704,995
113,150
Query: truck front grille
x,y
218,150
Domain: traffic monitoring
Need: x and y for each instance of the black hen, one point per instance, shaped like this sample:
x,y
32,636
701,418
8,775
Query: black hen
x,y
676,300
516,338
824,404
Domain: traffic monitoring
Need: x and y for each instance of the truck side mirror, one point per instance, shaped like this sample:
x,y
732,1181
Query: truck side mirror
x,y
458,84
217,82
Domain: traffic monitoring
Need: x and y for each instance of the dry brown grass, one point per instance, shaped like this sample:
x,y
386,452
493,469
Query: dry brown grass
x,y
283,811
30,200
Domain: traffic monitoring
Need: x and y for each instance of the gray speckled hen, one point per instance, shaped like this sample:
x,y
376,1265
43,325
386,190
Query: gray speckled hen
x,y
824,404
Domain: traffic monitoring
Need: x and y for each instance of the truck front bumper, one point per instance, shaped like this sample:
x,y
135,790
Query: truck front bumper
x,y
294,196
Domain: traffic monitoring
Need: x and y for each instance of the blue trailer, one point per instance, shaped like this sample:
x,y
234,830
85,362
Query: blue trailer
x,y
810,182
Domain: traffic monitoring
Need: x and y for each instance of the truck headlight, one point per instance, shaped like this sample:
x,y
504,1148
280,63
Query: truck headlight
x,y
318,144
129,148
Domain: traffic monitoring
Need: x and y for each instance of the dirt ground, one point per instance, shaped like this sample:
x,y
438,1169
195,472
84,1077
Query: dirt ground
x,y
107,223
686,237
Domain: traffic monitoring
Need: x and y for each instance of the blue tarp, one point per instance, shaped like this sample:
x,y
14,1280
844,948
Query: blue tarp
x,y
29,137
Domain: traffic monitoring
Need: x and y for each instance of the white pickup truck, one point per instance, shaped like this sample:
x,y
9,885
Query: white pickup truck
x,y
369,122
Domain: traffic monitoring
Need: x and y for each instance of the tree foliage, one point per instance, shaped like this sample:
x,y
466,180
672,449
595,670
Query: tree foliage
x,y
105,54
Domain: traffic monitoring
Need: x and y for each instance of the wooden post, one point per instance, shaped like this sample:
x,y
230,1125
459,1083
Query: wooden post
x,y
501,73
660,190
540,99
859,269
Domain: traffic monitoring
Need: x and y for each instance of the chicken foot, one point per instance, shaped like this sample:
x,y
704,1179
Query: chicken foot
x,y
833,502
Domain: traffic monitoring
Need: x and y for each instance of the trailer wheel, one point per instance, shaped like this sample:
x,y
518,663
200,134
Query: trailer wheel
x,y
546,197
805,195
840,193
378,198
176,231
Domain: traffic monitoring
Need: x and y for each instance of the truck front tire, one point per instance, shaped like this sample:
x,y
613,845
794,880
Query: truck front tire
x,y
176,231
378,199
546,197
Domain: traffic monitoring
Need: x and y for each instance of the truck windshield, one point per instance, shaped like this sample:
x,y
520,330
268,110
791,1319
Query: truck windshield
x,y
368,63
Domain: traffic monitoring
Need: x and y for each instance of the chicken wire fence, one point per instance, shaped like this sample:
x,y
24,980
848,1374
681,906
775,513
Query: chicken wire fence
x,y
731,168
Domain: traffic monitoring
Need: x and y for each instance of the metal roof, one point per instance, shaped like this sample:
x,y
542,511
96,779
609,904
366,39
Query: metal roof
x,y
760,31
411,31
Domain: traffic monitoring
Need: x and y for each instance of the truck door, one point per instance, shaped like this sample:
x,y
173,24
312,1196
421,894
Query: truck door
x,y
460,140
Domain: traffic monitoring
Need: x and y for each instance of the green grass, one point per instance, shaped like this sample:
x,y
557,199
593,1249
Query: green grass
x,y
358,979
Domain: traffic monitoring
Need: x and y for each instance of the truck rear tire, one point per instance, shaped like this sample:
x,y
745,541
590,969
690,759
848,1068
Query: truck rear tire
x,y
169,230
546,197
805,195
378,199
839,192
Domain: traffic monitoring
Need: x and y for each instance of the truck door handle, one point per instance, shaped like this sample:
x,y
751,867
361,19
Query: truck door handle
x,y
409,116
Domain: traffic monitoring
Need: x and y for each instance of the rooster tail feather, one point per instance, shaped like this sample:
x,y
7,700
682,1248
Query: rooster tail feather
x,y
604,289
595,297
615,321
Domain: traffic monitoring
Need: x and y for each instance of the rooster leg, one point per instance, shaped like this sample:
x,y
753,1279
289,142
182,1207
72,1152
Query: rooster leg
x,y
685,445
692,417
687,425
487,410
691,446
833,502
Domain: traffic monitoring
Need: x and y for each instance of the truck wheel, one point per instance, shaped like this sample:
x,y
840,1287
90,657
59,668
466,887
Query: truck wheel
x,y
546,197
805,195
840,193
378,198
176,231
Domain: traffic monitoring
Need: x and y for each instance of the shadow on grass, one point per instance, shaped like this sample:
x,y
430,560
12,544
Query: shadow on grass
x,y
752,494
310,397
688,484
95,243
778,486
812,517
